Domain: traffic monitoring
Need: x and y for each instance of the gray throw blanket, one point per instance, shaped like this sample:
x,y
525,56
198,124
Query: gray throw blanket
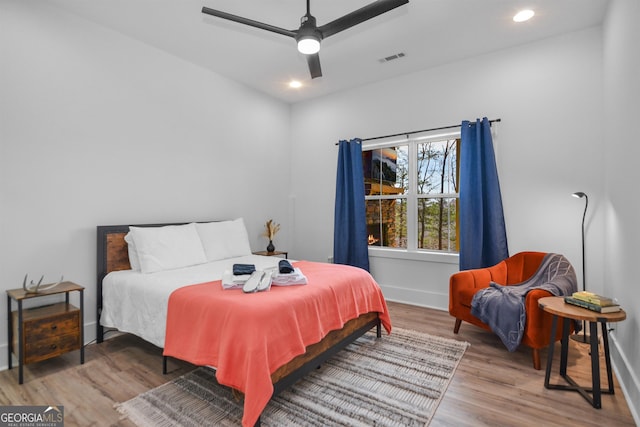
x,y
502,307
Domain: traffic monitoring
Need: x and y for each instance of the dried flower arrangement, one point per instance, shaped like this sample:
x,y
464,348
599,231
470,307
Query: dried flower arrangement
x,y
271,229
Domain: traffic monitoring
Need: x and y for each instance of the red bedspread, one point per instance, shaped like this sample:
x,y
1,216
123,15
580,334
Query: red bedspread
x,y
248,336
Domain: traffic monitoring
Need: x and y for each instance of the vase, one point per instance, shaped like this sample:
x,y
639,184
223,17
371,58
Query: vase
x,y
270,247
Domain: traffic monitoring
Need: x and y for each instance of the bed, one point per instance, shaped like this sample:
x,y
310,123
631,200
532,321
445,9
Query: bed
x,y
186,312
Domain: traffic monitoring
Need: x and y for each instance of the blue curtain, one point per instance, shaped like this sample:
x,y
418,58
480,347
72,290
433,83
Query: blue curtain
x,y
350,245
483,237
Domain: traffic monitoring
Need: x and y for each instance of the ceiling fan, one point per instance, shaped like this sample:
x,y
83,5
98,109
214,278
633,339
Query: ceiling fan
x,y
309,35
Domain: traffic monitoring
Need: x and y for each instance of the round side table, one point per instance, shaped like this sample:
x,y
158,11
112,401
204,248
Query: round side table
x,y
568,312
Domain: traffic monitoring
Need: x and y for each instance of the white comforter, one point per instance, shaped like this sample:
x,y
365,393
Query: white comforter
x,y
135,302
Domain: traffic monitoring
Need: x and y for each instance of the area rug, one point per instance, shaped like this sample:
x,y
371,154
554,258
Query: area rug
x,y
396,380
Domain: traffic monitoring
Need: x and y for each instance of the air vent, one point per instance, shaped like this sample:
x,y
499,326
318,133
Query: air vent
x,y
392,57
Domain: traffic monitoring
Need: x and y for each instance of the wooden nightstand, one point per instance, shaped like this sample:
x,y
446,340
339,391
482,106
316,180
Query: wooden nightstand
x,y
39,333
274,253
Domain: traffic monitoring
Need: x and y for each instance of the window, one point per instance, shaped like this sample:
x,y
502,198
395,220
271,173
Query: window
x,y
411,193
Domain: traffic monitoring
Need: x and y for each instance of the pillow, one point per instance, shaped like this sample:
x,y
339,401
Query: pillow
x,y
133,254
212,235
224,239
237,238
168,247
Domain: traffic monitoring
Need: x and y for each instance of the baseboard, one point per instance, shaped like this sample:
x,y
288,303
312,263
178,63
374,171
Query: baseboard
x,y
89,332
415,297
626,377
5,363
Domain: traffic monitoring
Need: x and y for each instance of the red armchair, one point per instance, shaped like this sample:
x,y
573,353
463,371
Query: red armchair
x,y
513,270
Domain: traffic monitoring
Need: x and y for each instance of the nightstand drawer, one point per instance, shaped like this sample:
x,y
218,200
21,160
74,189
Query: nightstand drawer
x,y
54,346
47,331
41,329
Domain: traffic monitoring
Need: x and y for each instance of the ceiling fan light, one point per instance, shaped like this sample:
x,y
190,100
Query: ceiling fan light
x,y
308,45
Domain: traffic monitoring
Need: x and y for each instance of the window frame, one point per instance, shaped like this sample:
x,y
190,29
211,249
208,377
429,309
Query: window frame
x,y
412,252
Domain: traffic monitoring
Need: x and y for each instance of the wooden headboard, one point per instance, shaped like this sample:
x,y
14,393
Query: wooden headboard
x,y
113,255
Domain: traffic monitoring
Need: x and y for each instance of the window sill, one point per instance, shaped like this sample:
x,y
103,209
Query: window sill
x,y
441,257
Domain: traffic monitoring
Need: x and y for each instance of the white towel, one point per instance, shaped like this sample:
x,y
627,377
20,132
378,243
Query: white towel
x,y
231,281
289,279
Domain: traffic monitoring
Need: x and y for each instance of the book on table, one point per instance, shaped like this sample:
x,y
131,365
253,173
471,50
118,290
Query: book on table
x,y
593,298
590,306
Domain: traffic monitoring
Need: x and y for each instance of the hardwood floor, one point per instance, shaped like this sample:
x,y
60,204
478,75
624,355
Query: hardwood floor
x,y
491,387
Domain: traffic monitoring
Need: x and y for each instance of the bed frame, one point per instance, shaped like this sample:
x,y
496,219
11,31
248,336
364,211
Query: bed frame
x,y
113,256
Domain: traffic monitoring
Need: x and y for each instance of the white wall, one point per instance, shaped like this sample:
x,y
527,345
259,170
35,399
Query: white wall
x,y
549,97
622,206
98,129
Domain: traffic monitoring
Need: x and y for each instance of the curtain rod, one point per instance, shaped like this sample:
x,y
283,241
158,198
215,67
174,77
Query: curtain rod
x,y
419,131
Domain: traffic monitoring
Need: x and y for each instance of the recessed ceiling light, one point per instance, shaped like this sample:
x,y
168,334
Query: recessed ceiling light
x,y
295,84
523,15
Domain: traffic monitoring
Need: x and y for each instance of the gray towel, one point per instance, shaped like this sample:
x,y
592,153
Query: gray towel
x,y
241,269
285,267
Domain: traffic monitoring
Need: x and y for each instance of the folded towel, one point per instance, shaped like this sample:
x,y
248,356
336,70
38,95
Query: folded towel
x,y
285,267
289,279
230,281
240,269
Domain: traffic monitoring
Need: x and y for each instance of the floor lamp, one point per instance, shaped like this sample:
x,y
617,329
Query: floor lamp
x,y
584,338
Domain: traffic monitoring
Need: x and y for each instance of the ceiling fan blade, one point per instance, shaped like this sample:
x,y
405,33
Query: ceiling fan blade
x,y
313,61
359,16
248,21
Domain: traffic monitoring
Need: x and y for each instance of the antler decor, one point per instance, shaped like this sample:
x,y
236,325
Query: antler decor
x,y
34,288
